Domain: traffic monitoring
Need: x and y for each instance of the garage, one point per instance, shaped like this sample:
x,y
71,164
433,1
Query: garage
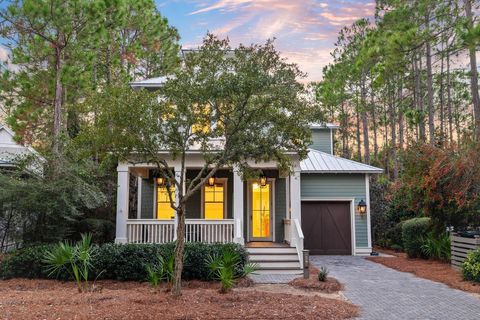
x,y
326,227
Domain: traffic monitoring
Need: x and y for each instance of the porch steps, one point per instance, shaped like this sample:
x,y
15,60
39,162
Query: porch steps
x,y
275,260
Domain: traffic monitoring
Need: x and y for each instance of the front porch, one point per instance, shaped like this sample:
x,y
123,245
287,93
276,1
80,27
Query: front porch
x,y
227,210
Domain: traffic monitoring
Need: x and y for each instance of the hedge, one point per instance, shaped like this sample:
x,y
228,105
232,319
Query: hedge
x,y
414,231
121,261
471,266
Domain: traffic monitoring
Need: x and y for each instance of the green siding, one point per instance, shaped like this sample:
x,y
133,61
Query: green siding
x,y
280,208
336,186
322,140
146,207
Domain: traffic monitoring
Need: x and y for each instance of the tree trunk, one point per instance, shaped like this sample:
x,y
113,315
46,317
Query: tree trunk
x,y
359,143
374,123
431,125
418,89
400,118
366,142
394,134
442,99
57,107
449,99
473,73
179,249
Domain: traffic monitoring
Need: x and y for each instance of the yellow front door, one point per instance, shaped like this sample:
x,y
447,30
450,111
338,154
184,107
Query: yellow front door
x,y
261,217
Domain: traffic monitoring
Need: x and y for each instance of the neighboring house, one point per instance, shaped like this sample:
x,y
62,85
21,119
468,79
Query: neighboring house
x,y
323,205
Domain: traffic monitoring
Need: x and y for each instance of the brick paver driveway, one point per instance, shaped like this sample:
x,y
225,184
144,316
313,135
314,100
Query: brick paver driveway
x,y
384,293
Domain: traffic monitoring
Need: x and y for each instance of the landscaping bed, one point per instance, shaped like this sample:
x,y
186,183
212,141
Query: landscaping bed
x,y
50,299
329,286
427,269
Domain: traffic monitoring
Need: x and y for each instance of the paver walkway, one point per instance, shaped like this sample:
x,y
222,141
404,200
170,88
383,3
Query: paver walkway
x,y
384,293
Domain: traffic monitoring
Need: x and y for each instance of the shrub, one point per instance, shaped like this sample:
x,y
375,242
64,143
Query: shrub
x,y
322,274
413,233
76,260
471,266
393,237
102,230
162,270
436,246
122,261
226,268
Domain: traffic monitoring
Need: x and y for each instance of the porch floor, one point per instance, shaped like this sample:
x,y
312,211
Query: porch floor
x,y
265,244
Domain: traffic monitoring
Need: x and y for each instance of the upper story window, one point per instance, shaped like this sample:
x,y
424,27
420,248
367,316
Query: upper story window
x,y
164,209
214,200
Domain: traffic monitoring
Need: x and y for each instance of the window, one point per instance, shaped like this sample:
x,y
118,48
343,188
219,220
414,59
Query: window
x,y
164,209
214,200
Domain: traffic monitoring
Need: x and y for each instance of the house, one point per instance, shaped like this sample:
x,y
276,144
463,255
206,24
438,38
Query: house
x,y
322,206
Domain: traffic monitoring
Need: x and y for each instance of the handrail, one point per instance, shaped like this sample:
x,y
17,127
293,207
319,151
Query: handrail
x,y
298,238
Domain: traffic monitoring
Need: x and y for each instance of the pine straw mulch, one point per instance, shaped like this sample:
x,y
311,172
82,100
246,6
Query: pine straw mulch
x,y
49,299
428,269
330,286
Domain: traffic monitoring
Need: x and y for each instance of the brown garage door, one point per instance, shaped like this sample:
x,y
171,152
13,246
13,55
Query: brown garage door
x,y
326,227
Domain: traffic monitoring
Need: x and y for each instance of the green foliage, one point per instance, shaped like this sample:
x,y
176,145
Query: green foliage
x,y
102,231
471,266
125,262
322,274
160,271
413,233
436,246
45,206
226,267
76,260
393,236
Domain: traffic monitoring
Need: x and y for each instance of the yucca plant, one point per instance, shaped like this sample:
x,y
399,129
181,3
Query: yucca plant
x,y
323,274
76,260
224,268
162,270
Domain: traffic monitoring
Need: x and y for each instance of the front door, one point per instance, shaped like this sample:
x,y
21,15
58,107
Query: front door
x,y
260,211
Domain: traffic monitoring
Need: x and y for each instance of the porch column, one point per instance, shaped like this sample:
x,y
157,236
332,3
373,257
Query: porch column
x,y
122,203
238,207
295,204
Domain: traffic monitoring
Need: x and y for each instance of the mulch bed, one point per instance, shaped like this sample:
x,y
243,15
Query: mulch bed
x,y
330,286
428,269
49,299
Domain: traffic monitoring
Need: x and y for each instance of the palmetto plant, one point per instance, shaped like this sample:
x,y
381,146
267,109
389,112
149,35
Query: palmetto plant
x,y
76,260
162,270
224,267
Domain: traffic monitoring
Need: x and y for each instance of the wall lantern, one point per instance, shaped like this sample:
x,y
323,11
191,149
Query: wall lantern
x,y
263,181
362,207
161,182
211,181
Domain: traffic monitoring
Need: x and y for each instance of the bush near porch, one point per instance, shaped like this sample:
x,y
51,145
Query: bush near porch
x,y
121,261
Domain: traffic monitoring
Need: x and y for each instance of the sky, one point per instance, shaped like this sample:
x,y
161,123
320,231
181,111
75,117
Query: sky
x,y
305,30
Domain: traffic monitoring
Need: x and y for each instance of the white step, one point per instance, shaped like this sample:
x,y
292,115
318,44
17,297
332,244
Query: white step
x,y
281,271
274,250
273,257
278,264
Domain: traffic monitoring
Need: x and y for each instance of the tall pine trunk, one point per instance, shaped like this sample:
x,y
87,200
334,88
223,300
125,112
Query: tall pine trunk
x,y
473,73
57,104
428,52
366,142
449,99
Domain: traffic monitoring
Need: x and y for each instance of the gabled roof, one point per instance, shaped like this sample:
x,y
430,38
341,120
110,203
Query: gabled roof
x,y
10,149
325,125
149,83
321,162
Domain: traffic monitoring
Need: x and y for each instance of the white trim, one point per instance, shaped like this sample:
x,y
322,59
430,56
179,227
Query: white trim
x,y
155,203
352,216
331,141
367,200
139,197
272,209
363,251
223,181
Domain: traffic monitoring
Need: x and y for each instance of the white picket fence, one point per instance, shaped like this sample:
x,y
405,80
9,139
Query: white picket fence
x,y
196,230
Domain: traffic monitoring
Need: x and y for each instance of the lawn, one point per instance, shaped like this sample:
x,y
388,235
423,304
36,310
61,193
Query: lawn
x,y
50,299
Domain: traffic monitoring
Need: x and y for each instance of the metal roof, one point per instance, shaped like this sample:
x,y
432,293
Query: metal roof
x,y
321,162
314,125
149,83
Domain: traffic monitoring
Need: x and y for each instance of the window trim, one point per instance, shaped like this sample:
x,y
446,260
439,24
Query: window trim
x,y
224,181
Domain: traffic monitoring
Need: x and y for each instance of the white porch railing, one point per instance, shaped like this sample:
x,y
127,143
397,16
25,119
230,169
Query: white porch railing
x,y
287,233
150,231
196,230
209,231
297,239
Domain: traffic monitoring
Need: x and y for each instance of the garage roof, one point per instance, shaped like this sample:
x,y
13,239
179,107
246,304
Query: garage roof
x,y
321,162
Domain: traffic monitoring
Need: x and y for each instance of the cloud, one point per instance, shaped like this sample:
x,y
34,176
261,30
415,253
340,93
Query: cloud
x,y
305,29
3,54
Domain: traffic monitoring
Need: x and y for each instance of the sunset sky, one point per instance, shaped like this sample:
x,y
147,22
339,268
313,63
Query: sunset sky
x,y
305,29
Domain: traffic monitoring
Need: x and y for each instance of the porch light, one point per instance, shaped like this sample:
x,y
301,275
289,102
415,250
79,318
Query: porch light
x,y
362,207
211,181
263,181
161,182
